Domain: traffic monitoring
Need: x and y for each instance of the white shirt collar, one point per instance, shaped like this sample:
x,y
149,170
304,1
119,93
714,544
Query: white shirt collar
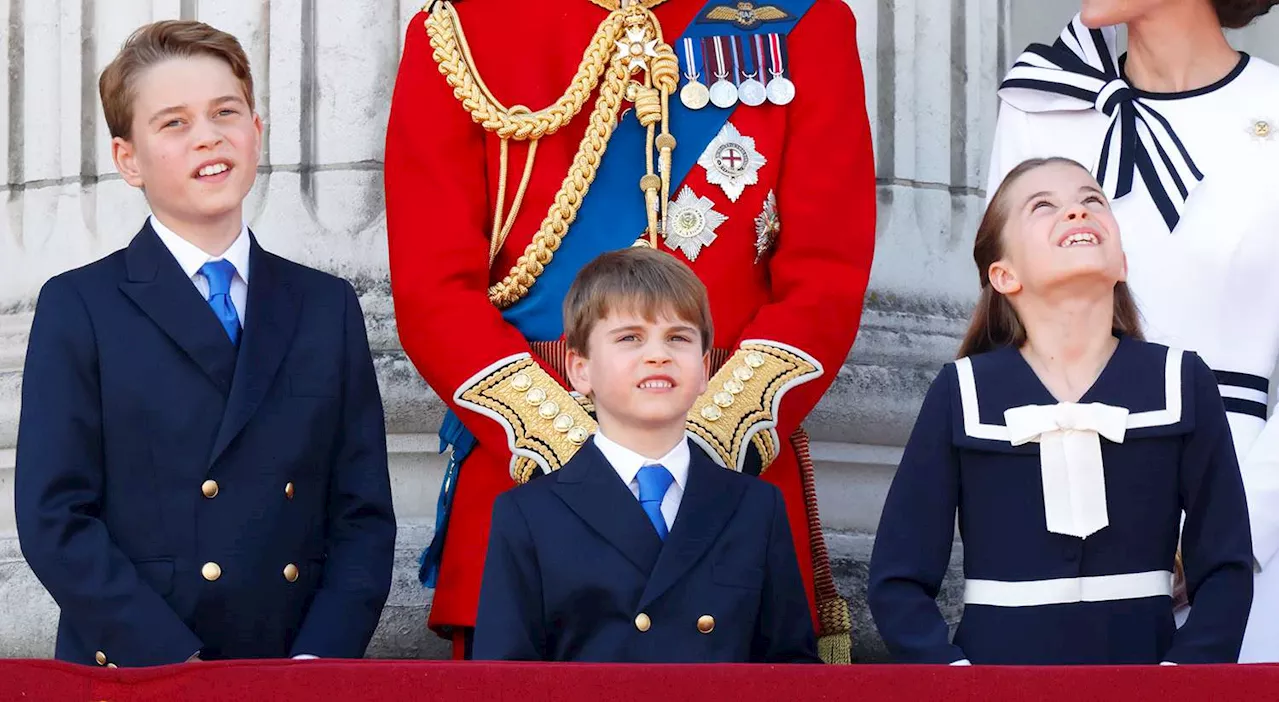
x,y
191,257
627,462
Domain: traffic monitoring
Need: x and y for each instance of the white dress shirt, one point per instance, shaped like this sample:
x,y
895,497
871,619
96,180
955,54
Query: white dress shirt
x,y
191,257
628,463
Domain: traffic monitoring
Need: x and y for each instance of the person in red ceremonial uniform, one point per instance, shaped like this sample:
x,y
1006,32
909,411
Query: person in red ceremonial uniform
x,y
524,142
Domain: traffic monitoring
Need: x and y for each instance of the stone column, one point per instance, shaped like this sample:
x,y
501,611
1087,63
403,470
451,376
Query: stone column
x,y
325,71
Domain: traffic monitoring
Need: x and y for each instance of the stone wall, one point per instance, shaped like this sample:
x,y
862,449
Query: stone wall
x,y
325,71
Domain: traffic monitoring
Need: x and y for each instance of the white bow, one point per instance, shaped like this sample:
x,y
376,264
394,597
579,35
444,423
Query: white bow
x,y
1075,492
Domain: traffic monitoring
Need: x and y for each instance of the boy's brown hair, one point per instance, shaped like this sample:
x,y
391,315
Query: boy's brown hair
x,y
158,42
637,279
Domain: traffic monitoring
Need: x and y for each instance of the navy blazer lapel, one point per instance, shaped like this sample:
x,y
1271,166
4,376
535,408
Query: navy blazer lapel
x,y
158,286
270,320
593,490
711,496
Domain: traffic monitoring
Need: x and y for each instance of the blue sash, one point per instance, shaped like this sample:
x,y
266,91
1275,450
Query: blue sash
x,y
611,217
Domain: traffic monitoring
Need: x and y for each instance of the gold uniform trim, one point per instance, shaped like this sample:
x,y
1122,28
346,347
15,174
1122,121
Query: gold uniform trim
x,y
545,424
741,398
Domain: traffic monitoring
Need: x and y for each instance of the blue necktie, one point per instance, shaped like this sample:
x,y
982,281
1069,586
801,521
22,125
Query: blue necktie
x,y
219,275
654,481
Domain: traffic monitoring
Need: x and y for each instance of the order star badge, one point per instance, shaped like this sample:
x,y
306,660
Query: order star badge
x,y
767,226
691,223
731,161
636,49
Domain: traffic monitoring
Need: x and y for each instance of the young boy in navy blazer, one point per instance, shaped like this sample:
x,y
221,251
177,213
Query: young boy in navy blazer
x,y
201,464
641,549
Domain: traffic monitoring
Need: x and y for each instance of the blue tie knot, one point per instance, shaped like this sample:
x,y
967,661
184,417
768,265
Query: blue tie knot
x,y
654,481
219,275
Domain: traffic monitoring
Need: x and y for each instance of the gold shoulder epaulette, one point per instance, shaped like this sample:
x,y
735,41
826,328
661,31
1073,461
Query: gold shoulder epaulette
x,y
545,424
740,407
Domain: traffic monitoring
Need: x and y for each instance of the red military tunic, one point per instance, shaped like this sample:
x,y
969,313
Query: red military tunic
x,y
801,289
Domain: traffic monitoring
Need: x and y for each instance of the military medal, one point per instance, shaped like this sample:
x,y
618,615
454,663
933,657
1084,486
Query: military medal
x,y
780,90
731,161
694,94
691,223
723,92
750,90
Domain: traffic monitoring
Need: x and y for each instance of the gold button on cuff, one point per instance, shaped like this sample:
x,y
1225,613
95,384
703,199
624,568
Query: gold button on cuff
x,y
111,665
100,657
723,399
744,373
521,382
711,413
291,573
734,386
288,491
578,435
211,571
563,423
209,488
755,359
536,396
548,410
642,622
706,623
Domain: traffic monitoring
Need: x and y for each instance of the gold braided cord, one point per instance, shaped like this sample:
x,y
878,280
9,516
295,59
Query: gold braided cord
x,y
599,66
453,54
501,227
564,209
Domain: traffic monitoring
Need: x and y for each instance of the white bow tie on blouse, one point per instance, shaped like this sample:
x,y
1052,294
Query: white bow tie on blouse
x,y
1075,492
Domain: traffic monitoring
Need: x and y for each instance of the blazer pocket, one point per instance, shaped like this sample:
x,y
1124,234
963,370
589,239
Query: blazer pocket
x,y
157,573
313,384
726,571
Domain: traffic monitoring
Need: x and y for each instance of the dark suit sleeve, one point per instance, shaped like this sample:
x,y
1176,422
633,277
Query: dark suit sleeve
x,y
1217,552
510,624
913,541
784,630
360,524
59,489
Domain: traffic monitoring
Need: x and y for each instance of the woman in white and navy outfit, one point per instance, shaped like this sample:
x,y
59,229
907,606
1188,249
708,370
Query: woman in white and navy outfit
x,y
1182,134
1068,509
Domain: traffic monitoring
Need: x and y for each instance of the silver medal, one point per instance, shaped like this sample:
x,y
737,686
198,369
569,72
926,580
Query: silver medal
x,y
751,92
780,91
723,93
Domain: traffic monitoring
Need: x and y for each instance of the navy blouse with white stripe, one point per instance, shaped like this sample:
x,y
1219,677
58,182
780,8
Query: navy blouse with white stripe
x,y
1176,455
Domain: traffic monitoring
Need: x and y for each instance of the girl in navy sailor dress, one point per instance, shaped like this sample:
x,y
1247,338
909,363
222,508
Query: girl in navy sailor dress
x,y
1187,143
1069,448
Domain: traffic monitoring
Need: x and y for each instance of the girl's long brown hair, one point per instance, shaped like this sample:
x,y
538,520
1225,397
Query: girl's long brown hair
x,y
994,322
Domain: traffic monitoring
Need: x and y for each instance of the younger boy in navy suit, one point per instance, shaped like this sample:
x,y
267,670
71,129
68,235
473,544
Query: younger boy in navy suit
x,y
641,549
202,465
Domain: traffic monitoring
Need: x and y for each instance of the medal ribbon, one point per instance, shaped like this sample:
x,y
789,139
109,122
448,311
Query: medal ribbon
x,y
758,58
722,69
737,68
750,67
775,56
692,61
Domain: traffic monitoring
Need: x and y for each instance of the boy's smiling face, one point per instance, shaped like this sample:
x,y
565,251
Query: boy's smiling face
x,y
194,142
643,375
